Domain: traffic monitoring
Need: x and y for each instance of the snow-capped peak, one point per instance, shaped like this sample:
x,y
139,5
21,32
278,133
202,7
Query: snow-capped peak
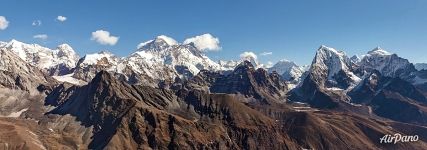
x,y
288,69
65,50
326,48
355,59
333,59
161,42
228,65
163,53
334,65
330,51
65,47
250,57
167,39
378,51
93,59
387,64
282,66
56,61
15,42
90,64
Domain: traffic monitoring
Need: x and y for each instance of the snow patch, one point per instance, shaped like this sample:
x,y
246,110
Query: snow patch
x,y
16,114
70,79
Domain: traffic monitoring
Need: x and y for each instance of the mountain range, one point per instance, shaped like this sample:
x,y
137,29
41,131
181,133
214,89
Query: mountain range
x,y
168,95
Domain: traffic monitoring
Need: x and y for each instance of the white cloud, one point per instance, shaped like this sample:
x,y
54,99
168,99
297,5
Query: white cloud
x,y
104,37
248,56
40,36
36,23
205,42
3,23
266,53
61,18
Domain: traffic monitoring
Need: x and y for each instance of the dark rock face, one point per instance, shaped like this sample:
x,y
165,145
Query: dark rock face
x,y
342,80
245,80
386,95
313,93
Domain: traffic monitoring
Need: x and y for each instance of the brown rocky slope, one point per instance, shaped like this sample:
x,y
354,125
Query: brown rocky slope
x,y
127,116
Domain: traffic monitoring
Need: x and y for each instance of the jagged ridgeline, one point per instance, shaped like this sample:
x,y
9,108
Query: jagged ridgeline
x,y
168,95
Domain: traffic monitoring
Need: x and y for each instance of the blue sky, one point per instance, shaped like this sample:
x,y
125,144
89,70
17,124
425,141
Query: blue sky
x,y
290,29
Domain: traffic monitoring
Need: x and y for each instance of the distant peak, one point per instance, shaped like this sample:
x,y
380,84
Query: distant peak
x,y
67,51
65,47
159,42
329,50
168,40
355,59
246,64
323,47
377,48
326,48
105,52
286,61
101,54
378,51
14,42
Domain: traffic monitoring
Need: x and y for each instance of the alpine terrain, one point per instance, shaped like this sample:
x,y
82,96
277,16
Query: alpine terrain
x,y
171,95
